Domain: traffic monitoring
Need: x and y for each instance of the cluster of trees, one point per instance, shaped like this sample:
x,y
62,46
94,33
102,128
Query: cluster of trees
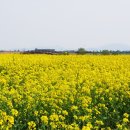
x,y
102,52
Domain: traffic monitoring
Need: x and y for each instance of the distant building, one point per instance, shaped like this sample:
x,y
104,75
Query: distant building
x,y
40,51
44,50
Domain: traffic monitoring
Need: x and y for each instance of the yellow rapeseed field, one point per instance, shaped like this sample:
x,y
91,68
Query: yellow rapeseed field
x,y
65,92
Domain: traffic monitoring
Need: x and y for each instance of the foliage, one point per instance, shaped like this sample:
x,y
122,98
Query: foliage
x,y
105,52
81,51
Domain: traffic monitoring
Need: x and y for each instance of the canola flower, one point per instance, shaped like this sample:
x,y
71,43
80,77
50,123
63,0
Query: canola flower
x,y
31,125
67,92
44,119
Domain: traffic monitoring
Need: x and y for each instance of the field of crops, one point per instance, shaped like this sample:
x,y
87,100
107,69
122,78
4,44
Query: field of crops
x,y
72,92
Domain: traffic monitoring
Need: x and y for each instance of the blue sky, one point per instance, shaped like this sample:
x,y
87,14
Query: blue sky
x,y
65,24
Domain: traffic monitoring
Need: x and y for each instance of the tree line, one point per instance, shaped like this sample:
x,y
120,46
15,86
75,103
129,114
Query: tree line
x,y
80,51
102,52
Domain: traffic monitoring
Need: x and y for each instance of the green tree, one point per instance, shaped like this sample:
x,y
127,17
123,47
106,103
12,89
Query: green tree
x,y
81,51
105,52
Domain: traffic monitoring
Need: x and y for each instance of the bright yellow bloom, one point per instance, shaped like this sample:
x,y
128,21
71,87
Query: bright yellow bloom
x,y
86,128
119,126
36,113
65,112
10,119
14,112
31,125
73,108
125,120
1,122
126,115
54,117
44,119
98,122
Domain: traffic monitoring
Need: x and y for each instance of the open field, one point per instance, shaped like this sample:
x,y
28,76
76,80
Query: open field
x,y
73,92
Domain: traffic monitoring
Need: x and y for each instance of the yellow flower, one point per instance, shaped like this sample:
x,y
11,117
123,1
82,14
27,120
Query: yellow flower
x,y
10,119
14,112
86,128
74,108
61,117
64,112
1,122
99,122
53,125
44,119
31,125
54,117
110,98
108,128
125,120
126,115
75,117
3,114
82,118
89,125
36,113
119,126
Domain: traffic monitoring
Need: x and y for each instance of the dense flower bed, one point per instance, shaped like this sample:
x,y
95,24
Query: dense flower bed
x,y
73,92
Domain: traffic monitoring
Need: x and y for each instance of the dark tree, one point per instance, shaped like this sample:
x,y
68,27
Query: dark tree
x,y
81,51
